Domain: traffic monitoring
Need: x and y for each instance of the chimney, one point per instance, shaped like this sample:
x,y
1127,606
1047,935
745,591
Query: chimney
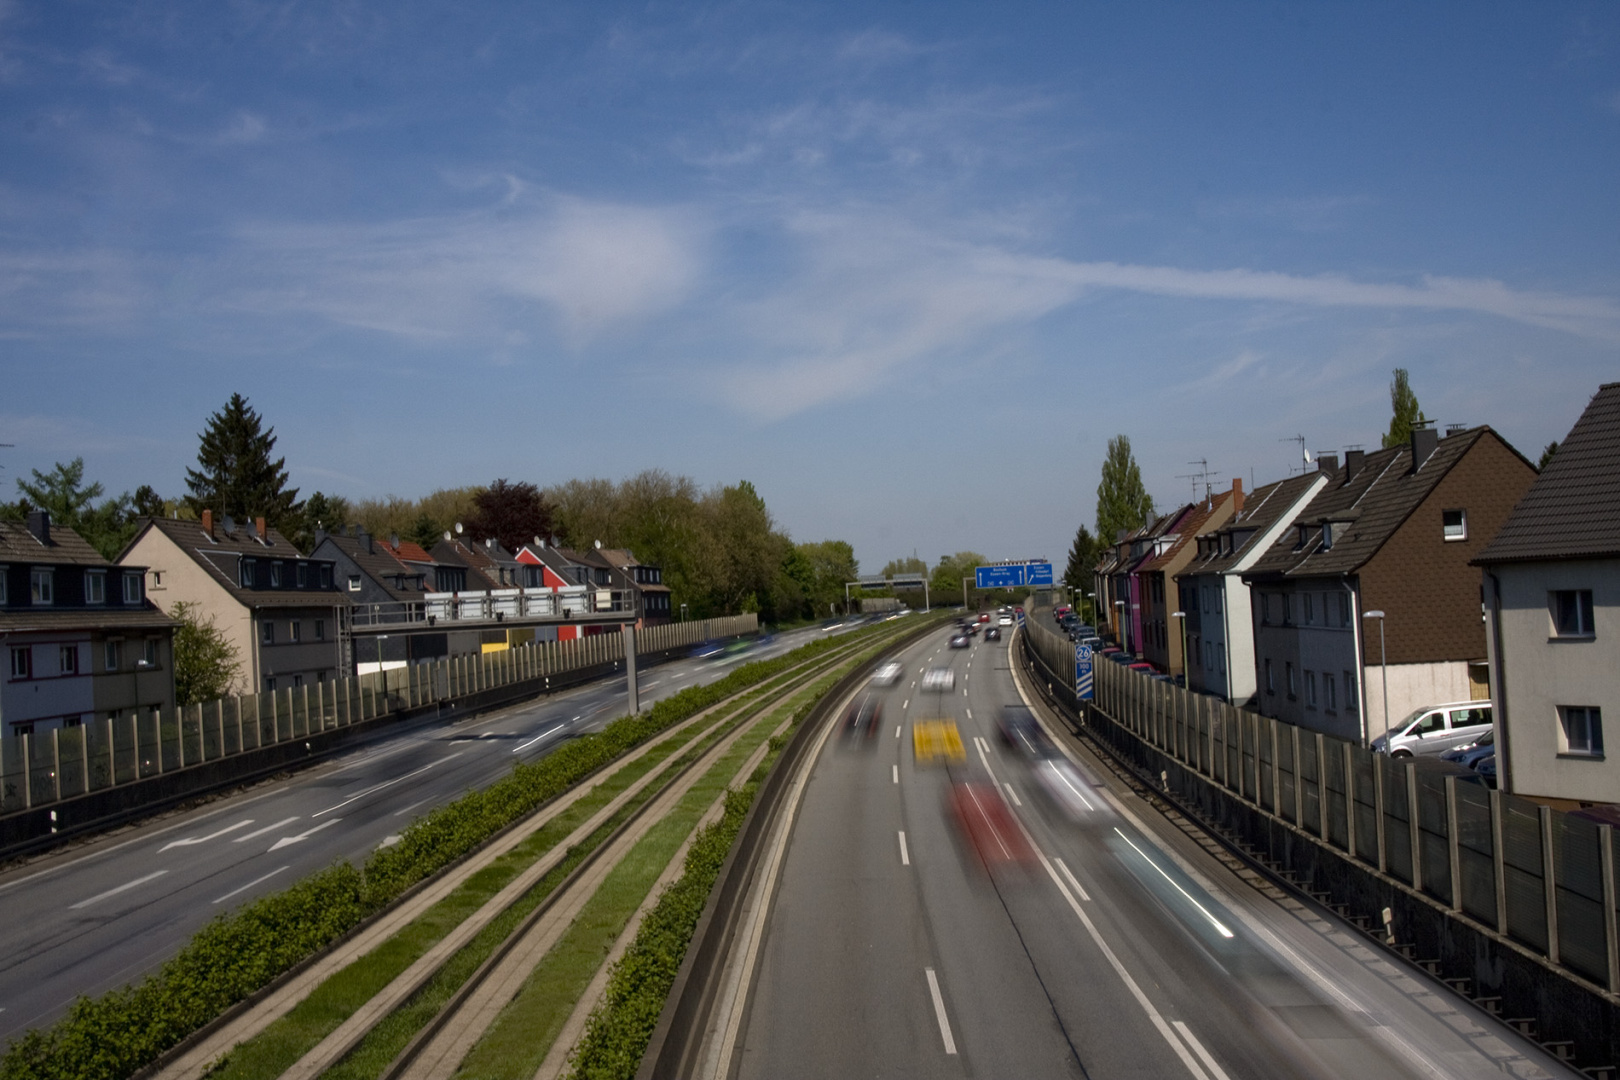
x,y
208,522
1237,495
365,541
320,537
39,523
1424,440
1353,461
1328,463
261,529
1455,429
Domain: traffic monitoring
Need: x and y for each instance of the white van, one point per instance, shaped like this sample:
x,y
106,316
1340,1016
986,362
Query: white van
x,y
1434,729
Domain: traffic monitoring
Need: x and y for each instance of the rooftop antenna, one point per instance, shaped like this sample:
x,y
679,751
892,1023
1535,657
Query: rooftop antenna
x,y
7,446
1200,477
1304,454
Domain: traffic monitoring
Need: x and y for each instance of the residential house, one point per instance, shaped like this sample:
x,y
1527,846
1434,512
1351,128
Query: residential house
x,y
1165,634
386,582
1393,532
646,582
1552,601
1131,583
282,611
81,640
1220,633
485,565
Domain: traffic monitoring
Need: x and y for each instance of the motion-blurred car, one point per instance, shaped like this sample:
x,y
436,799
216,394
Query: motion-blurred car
x,y
888,674
984,617
937,740
960,641
939,678
864,717
705,650
1073,793
982,814
1020,730
992,633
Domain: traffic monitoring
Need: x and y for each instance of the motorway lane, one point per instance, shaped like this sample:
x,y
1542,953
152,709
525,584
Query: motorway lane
x,y
1137,965
103,913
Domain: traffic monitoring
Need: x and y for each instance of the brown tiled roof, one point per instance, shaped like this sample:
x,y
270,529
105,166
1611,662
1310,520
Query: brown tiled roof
x,y
1572,510
1261,509
83,618
1367,510
1188,526
380,565
17,544
218,555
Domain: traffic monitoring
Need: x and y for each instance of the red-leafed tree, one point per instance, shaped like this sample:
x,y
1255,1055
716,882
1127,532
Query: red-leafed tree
x,y
513,514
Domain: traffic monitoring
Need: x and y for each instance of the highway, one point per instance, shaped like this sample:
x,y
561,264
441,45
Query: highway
x,y
102,913
1087,938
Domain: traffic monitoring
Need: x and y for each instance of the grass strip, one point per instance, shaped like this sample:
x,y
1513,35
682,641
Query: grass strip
x,y
519,1039
114,1035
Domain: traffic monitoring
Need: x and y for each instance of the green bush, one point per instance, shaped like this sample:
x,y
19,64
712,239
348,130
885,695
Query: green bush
x,y
114,1035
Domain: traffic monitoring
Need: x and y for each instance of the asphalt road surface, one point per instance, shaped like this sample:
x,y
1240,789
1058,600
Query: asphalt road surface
x,y
104,913
1077,938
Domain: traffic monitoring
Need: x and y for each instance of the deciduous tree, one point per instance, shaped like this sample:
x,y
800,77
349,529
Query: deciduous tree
x,y
1403,405
205,662
513,514
106,525
1122,501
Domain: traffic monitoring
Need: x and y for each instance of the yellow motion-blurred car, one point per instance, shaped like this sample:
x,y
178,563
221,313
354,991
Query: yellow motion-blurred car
x,y
936,740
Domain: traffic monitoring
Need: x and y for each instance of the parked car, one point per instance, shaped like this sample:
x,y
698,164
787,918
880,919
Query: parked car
x,y
1434,729
1486,767
1471,753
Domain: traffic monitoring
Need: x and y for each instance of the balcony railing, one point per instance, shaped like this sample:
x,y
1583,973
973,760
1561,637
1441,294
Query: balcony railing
x,y
494,606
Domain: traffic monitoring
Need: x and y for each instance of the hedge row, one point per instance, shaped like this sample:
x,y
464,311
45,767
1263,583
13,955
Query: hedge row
x,y
617,1034
113,1036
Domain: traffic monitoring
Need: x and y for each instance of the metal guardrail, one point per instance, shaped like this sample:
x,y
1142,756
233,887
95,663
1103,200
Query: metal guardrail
x,y
1537,876
37,771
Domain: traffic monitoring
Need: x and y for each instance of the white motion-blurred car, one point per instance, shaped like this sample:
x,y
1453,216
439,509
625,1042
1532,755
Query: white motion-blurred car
x,y
887,674
939,678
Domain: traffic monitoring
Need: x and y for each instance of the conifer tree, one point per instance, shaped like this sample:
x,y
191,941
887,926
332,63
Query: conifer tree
x,y
1122,501
237,476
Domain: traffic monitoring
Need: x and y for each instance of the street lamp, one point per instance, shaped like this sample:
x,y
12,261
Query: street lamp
x,y
964,593
1124,627
1093,598
683,613
1182,615
1383,668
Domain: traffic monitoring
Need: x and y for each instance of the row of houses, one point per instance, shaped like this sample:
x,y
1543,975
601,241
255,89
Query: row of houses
x,y
1442,570
87,639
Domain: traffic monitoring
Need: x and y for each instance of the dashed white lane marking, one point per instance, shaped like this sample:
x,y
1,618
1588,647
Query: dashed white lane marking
x,y
939,1012
305,835
408,809
538,737
1198,1048
386,784
897,731
1013,795
1061,865
190,840
249,885
905,856
897,774
1219,927
905,704
269,828
970,714
96,899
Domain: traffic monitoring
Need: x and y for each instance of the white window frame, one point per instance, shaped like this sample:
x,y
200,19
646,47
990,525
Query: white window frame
x,y
132,587
354,582
267,632
22,662
1350,690
275,575
149,652
1310,689
42,586
295,632
320,629
67,659
95,587
1454,533
4,599
1330,692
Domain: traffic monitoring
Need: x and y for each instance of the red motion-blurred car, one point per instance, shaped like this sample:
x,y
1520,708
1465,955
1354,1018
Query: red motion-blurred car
x,y
982,815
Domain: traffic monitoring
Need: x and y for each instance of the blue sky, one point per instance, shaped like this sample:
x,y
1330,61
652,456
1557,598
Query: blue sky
x,y
906,266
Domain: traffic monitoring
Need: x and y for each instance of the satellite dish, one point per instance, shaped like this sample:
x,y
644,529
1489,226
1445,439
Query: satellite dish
x,y
599,545
458,528
447,534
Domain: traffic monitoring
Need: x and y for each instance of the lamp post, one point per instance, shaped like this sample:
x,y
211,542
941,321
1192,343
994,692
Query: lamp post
x,y
1383,668
683,613
964,593
1093,598
1182,615
1124,627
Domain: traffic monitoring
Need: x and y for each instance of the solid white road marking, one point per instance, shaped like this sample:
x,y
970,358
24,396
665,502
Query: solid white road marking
x,y
190,840
1061,865
249,885
122,888
1012,794
267,828
1222,930
939,1012
305,835
538,737
386,784
1198,1048
897,774
905,856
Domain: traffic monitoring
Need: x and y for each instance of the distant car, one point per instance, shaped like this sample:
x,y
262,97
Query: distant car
x,y
1020,730
971,628
960,641
1005,620
985,617
992,634
1019,610
940,678
888,674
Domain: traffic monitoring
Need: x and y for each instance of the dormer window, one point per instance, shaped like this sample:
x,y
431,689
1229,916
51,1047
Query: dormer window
x,y
303,575
42,586
326,575
132,588
275,575
1300,536
1327,536
95,586
248,573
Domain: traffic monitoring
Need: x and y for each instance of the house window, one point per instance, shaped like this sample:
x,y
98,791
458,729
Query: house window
x,y
1583,730
95,587
132,587
1217,599
354,582
295,631
326,575
1310,609
320,629
1293,680
269,684
1310,689
1220,656
110,651
1454,524
298,680
67,661
275,575
157,579
1271,682
149,652
1330,693
1572,612
267,633
303,575
248,572
41,586
1327,536
22,663
1349,690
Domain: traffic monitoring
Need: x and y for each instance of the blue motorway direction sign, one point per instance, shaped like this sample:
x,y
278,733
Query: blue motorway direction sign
x,y
1085,686
1013,575
1038,573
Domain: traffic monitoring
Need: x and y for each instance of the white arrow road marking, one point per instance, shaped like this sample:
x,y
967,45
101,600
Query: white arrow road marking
x,y
249,885
385,784
285,840
268,828
390,840
190,840
114,892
